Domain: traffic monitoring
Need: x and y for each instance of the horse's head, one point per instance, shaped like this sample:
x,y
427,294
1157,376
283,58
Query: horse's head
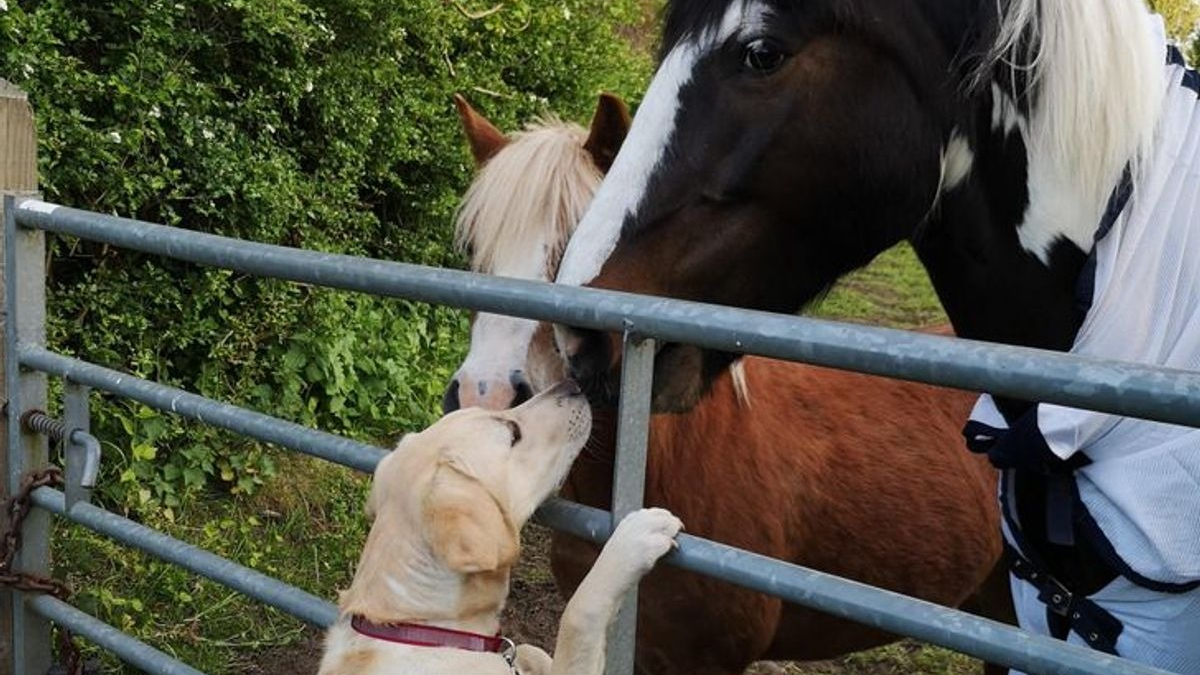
x,y
783,144
531,190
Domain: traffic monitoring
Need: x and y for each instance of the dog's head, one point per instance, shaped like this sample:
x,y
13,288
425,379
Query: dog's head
x,y
472,480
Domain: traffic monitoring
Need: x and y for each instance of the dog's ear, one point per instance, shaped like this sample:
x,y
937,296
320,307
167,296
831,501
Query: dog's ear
x,y
465,525
486,140
610,125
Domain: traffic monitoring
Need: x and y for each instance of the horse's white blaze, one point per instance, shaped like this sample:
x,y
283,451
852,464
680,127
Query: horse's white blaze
x,y
624,188
621,192
957,161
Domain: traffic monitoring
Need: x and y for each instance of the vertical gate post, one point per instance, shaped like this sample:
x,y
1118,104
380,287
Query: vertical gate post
x,y
25,639
629,478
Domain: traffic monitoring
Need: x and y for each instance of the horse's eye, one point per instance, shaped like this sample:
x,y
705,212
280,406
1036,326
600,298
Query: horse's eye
x,y
764,56
516,432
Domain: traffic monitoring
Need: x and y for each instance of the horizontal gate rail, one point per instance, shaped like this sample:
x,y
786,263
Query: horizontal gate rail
x,y
809,588
888,611
1120,388
256,425
128,648
1132,390
298,603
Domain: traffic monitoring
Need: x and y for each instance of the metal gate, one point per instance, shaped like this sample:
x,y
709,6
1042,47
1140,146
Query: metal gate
x,y
1126,389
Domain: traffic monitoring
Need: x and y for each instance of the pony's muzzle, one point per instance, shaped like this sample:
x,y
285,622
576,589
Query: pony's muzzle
x,y
488,393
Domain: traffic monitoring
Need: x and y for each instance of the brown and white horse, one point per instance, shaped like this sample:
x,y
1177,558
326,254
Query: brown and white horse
x,y
1042,157
795,462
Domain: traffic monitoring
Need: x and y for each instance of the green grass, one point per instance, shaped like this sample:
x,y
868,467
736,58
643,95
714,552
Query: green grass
x,y
306,527
909,658
892,291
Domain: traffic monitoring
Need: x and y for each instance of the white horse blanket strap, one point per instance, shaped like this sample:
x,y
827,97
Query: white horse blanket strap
x,y
1158,629
1066,611
1136,483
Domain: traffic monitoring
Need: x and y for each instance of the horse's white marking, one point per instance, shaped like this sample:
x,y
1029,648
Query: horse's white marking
x,y
957,161
621,192
1094,114
741,383
516,218
499,346
624,188
1005,114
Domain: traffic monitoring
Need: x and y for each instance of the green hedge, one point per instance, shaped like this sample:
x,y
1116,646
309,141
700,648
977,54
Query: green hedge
x,y
326,124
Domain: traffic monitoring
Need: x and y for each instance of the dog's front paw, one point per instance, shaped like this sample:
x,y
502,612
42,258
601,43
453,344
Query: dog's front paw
x,y
532,660
642,538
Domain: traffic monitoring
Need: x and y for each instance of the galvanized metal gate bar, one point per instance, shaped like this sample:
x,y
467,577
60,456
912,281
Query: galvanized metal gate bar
x,y
300,604
819,591
129,649
24,321
1133,390
902,615
629,478
1094,384
248,423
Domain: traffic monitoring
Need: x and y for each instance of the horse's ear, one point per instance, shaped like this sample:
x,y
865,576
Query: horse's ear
x,y
610,124
486,140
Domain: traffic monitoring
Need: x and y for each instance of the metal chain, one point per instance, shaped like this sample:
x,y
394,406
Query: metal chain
x,y
17,508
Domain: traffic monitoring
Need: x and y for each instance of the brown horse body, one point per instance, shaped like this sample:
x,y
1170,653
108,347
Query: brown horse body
x,y
862,477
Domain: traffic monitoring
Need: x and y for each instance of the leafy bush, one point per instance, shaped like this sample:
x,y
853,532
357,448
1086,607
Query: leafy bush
x,y
326,124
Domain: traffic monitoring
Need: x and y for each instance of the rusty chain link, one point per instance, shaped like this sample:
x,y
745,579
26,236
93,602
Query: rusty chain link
x,y
17,508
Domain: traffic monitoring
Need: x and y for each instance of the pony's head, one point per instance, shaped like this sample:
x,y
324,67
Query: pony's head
x,y
529,195
783,144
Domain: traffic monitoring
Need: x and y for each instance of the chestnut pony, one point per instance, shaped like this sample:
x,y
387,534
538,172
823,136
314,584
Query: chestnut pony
x,y
791,461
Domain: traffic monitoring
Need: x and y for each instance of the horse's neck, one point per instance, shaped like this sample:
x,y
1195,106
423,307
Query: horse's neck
x,y
991,287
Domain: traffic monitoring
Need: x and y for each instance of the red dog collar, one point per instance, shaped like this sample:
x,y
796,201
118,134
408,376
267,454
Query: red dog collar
x,y
430,636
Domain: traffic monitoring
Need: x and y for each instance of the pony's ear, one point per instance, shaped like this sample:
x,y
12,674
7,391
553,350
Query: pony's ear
x,y
486,140
465,526
610,124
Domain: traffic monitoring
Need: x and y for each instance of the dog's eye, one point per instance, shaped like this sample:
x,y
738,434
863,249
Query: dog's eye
x,y
515,429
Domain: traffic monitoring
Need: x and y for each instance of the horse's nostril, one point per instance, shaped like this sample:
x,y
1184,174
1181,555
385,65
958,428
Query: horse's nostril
x,y
450,400
521,390
522,393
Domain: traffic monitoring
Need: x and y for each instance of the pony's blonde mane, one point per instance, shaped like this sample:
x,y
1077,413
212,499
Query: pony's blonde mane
x,y
1097,67
528,199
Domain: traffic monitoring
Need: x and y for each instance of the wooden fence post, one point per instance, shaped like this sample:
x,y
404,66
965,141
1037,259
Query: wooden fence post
x,y
24,637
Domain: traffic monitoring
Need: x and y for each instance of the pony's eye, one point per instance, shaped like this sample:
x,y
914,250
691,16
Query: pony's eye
x,y
764,56
515,429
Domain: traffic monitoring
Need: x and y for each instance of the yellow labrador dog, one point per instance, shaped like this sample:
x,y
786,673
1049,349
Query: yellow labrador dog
x,y
448,505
